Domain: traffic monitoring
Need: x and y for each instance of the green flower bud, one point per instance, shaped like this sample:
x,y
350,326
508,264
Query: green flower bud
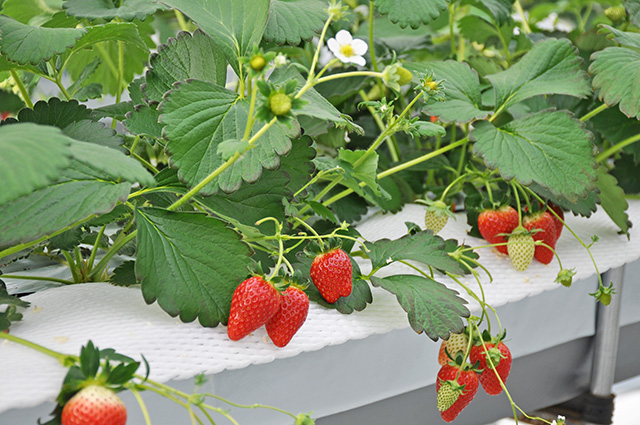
x,y
257,63
280,104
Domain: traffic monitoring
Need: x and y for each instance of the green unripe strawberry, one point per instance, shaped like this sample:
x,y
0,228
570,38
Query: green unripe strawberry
x,y
436,216
257,62
521,249
447,395
280,104
615,13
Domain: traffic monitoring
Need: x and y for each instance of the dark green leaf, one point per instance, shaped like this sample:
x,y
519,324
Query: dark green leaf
x,y
612,199
424,247
551,149
122,373
55,112
626,170
93,132
203,263
27,44
432,308
54,207
144,121
124,274
500,9
291,21
89,360
127,10
412,12
551,67
583,206
184,57
117,111
113,31
235,26
67,240
297,163
33,156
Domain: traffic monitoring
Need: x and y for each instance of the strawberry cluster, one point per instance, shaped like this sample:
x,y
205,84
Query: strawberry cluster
x,y
458,381
502,227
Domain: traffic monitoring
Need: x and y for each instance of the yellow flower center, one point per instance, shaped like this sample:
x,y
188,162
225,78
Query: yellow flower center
x,y
347,50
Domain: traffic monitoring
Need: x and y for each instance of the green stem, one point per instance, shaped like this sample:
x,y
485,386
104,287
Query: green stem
x,y
525,24
252,107
515,194
43,278
452,38
117,246
593,113
393,150
617,147
75,273
64,359
181,21
249,406
314,62
94,251
372,52
143,406
349,74
451,185
23,90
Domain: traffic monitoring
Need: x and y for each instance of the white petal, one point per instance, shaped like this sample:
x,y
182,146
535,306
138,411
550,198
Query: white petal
x,y
333,45
358,60
343,37
360,47
342,57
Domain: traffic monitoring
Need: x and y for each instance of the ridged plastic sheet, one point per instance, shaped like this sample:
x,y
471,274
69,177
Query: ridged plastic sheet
x,y
65,318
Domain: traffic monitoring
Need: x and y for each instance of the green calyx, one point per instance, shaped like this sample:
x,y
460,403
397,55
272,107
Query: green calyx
x,y
603,294
565,277
304,419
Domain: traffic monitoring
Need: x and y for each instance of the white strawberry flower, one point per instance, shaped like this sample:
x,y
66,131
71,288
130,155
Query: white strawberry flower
x,y
348,49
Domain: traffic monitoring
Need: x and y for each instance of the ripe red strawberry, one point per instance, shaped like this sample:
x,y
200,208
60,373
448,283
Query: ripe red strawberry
x,y
556,220
331,273
254,302
547,234
457,343
521,249
292,314
493,222
465,386
94,405
4,115
501,358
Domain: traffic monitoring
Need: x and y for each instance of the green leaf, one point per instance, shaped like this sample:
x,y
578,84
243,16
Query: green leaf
x,y
626,170
33,156
93,132
432,308
612,199
54,207
144,121
551,149
55,112
25,10
111,163
127,10
499,9
616,127
365,171
67,240
89,360
203,263
616,74
395,38
184,57
412,12
584,206
235,26
113,31
463,99
198,117
255,201
400,191
481,29
550,67
633,9
124,274
27,44
291,21
424,247
298,163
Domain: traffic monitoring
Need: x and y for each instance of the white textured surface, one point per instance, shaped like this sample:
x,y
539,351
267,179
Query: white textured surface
x,y
63,319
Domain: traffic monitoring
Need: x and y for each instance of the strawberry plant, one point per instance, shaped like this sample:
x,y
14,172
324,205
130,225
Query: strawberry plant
x,y
198,140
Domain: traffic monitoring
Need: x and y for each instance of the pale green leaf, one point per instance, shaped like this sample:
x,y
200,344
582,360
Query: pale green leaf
x,y
412,12
113,31
203,262
32,157
25,10
431,307
550,67
463,99
612,199
633,9
184,57
127,10
235,26
616,74
54,207
361,166
27,44
291,21
551,149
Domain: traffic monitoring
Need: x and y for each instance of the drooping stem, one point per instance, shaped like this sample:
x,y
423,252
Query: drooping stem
x,y
64,359
143,406
593,113
42,278
602,156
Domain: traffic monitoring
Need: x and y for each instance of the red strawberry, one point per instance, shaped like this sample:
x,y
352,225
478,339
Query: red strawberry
x,y
556,220
465,387
547,234
292,314
493,222
94,405
4,115
331,273
501,358
254,302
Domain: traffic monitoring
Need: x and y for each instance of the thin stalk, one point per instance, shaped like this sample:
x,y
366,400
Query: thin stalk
x,y
372,52
43,278
94,251
143,406
316,55
525,24
617,147
75,273
349,74
452,12
181,21
593,113
393,150
23,90
251,118
249,406
62,358
102,265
